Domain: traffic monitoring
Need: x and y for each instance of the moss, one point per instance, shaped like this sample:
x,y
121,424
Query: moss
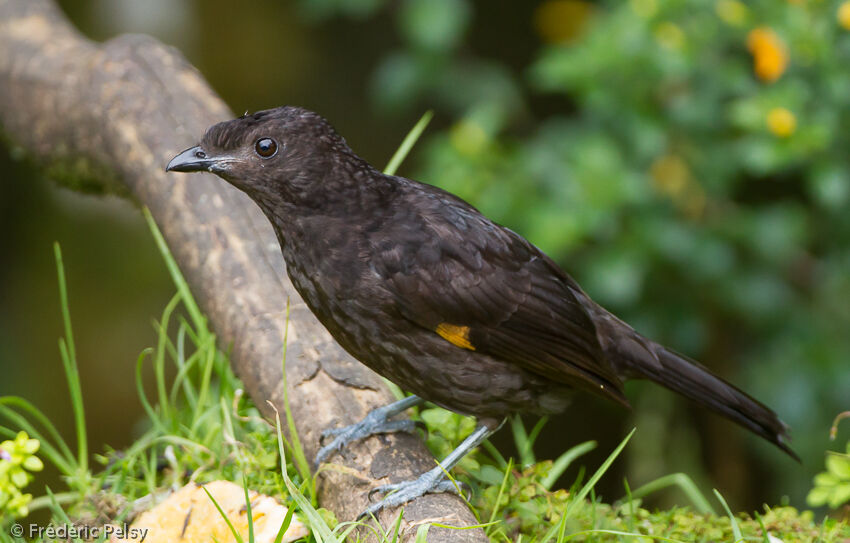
x,y
82,174
75,172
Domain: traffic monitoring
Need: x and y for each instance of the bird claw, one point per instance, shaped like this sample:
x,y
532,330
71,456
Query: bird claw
x,y
331,432
431,482
375,422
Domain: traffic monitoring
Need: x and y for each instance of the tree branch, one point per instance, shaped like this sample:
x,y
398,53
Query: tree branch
x,y
107,117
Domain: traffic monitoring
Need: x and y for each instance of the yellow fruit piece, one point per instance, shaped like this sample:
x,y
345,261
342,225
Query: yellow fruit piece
x,y
781,122
190,516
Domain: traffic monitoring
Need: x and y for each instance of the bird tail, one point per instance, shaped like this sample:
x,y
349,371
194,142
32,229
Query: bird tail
x,y
636,357
696,382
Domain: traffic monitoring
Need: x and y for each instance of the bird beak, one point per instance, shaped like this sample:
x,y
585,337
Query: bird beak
x,y
193,159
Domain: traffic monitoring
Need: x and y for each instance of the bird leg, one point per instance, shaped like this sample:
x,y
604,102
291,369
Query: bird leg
x,y
431,481
375,422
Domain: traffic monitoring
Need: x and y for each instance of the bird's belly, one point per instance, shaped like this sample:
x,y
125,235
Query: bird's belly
x,y
463,381
422,362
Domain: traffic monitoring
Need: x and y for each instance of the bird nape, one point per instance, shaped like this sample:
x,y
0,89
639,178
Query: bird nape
x,y
421,287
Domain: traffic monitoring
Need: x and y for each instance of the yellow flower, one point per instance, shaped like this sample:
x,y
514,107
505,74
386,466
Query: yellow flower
x,y
843,15
672,177
781,122
644,8
468,137
770,55
732,12
669,35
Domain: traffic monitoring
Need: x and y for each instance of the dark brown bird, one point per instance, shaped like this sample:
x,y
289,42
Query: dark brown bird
x,y
425,290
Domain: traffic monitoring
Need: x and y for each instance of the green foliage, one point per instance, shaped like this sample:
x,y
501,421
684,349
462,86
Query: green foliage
x,y
832,486
516,503
17,462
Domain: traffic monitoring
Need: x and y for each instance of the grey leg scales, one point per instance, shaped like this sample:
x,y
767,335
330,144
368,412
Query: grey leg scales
x,y
376,422
429,482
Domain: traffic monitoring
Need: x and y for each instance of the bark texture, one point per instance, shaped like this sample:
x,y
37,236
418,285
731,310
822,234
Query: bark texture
x,y
109,116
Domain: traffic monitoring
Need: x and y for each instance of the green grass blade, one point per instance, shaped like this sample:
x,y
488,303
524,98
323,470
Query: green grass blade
x,y
69,359
233,531
182,287
47,500
248,509
397,526
321,531
140,389
227,428
159,357
629,536
57,510
494,452
408,143
563,462
736,529
582,494
523,444
422,533
284,526
182,381
502,487
205,383
600,472
148,464
629,496
681,480
297,449
538,426
765,537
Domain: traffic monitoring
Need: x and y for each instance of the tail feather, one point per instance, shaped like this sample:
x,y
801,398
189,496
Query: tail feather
x,y
636,357
696,382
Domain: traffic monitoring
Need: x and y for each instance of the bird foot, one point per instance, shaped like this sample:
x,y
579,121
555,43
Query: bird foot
x,y
376,422
430,482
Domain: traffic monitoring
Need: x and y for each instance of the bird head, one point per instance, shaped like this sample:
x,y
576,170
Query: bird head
x,y
280,155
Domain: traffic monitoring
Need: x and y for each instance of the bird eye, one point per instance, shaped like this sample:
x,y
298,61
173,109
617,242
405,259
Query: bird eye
x,y
266,147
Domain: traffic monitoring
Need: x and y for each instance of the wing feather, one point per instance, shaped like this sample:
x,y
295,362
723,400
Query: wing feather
x,y
520,307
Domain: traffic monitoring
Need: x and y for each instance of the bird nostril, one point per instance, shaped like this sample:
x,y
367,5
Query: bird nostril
x,y
200,154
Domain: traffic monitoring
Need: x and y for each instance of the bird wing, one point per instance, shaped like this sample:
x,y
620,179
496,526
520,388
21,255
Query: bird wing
x,y
484,288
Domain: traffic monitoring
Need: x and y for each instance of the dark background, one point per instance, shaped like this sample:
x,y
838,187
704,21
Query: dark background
x,y
630,140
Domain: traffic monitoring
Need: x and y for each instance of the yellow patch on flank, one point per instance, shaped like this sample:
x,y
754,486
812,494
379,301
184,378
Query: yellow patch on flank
x,y
456,335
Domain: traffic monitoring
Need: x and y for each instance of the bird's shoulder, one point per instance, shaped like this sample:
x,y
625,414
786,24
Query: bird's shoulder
x,y
428,231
